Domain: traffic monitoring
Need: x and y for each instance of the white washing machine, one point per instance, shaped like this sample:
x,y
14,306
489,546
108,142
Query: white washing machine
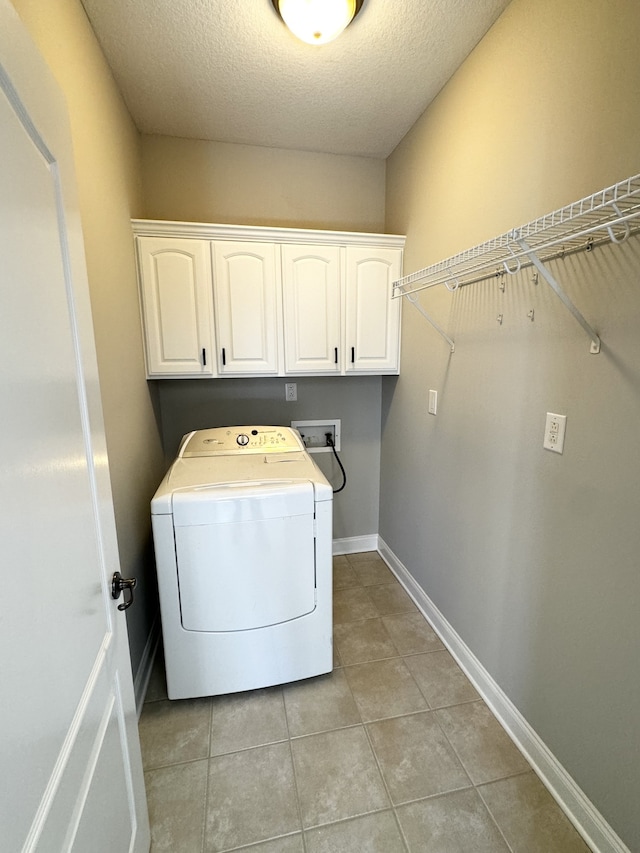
x,y
242,530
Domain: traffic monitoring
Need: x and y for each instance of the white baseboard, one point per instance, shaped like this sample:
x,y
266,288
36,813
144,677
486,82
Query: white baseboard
x,y
141,681
355,544
591,825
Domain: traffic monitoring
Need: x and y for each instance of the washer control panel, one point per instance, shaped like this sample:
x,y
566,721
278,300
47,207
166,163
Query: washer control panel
x,y
245,439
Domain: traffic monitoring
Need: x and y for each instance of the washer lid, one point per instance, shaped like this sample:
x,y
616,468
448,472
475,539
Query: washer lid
x,y
241,468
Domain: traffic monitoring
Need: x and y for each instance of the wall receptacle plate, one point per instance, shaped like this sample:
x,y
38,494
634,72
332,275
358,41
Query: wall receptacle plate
x,y
314,434
554,430
290,392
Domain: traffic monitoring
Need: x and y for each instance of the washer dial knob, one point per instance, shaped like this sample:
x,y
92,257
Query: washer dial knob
x,y
243,439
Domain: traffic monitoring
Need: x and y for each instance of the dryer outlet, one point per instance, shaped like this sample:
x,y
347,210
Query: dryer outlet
x,y
314,434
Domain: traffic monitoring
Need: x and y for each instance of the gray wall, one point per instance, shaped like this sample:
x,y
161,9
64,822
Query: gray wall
x,y
201,403
531,556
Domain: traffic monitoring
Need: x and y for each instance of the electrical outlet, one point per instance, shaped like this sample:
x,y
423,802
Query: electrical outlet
x,y
290,392
554,432
433,402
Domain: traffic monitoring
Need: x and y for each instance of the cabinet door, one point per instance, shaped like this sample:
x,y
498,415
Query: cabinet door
x,y
373,317
246,307
311,293
175,283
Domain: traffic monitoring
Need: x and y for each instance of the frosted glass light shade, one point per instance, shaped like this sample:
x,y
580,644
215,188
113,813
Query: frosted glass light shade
x,y
316,21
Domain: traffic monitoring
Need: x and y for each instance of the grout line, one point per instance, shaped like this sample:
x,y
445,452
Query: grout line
x,y
175,764
375,757
491,815
436,796
206,789
341,820
253,844
293,769
247,748
386,786
205,811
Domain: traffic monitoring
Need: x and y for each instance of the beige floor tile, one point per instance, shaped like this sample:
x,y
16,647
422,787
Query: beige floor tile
x,y
288,844
340,560
374,833
174,731
363,641
384,689
344,576
441,679
251,797
373,572
452,823
364,557
415,757
320,704
391,598
412,633
529,817
351,605
337,776
243,720
252,802
484,748
176,799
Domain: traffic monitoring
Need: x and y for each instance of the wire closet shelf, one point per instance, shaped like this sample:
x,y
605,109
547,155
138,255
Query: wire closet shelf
x,y
606,213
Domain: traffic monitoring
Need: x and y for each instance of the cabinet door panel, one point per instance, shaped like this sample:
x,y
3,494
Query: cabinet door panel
x,y
246,307
176,299
311,279
373,317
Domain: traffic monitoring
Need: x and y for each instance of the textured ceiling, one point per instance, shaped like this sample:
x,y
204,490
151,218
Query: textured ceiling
x,y
229,70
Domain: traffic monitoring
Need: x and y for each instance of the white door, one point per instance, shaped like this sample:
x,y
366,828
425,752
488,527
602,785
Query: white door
x,y
176,284
246,299
373,317
71,777
311,293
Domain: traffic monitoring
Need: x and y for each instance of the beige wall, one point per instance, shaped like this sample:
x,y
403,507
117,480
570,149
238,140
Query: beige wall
x,y
193,180
107,159
531,556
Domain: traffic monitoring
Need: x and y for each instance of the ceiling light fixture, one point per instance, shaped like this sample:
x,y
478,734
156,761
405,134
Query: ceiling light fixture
x,y
317,21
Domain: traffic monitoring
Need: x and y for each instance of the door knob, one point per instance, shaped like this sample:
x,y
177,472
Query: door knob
x,y
118,584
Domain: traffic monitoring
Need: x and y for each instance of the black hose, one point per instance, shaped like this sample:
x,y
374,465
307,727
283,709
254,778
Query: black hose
x,y
344,473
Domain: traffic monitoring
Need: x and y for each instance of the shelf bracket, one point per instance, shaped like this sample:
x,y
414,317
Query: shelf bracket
x,y
413,299
555,286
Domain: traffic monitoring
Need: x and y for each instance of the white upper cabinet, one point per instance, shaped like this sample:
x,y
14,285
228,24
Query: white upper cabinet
x,y
286,301
176,294
246,307
372,316
311,295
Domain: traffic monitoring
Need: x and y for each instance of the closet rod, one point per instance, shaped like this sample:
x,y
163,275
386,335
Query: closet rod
x,y
500,271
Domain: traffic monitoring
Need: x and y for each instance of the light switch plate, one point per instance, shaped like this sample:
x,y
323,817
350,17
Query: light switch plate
x,y
433,402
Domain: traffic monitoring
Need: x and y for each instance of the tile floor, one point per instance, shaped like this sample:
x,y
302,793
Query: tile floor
x,y
393,751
